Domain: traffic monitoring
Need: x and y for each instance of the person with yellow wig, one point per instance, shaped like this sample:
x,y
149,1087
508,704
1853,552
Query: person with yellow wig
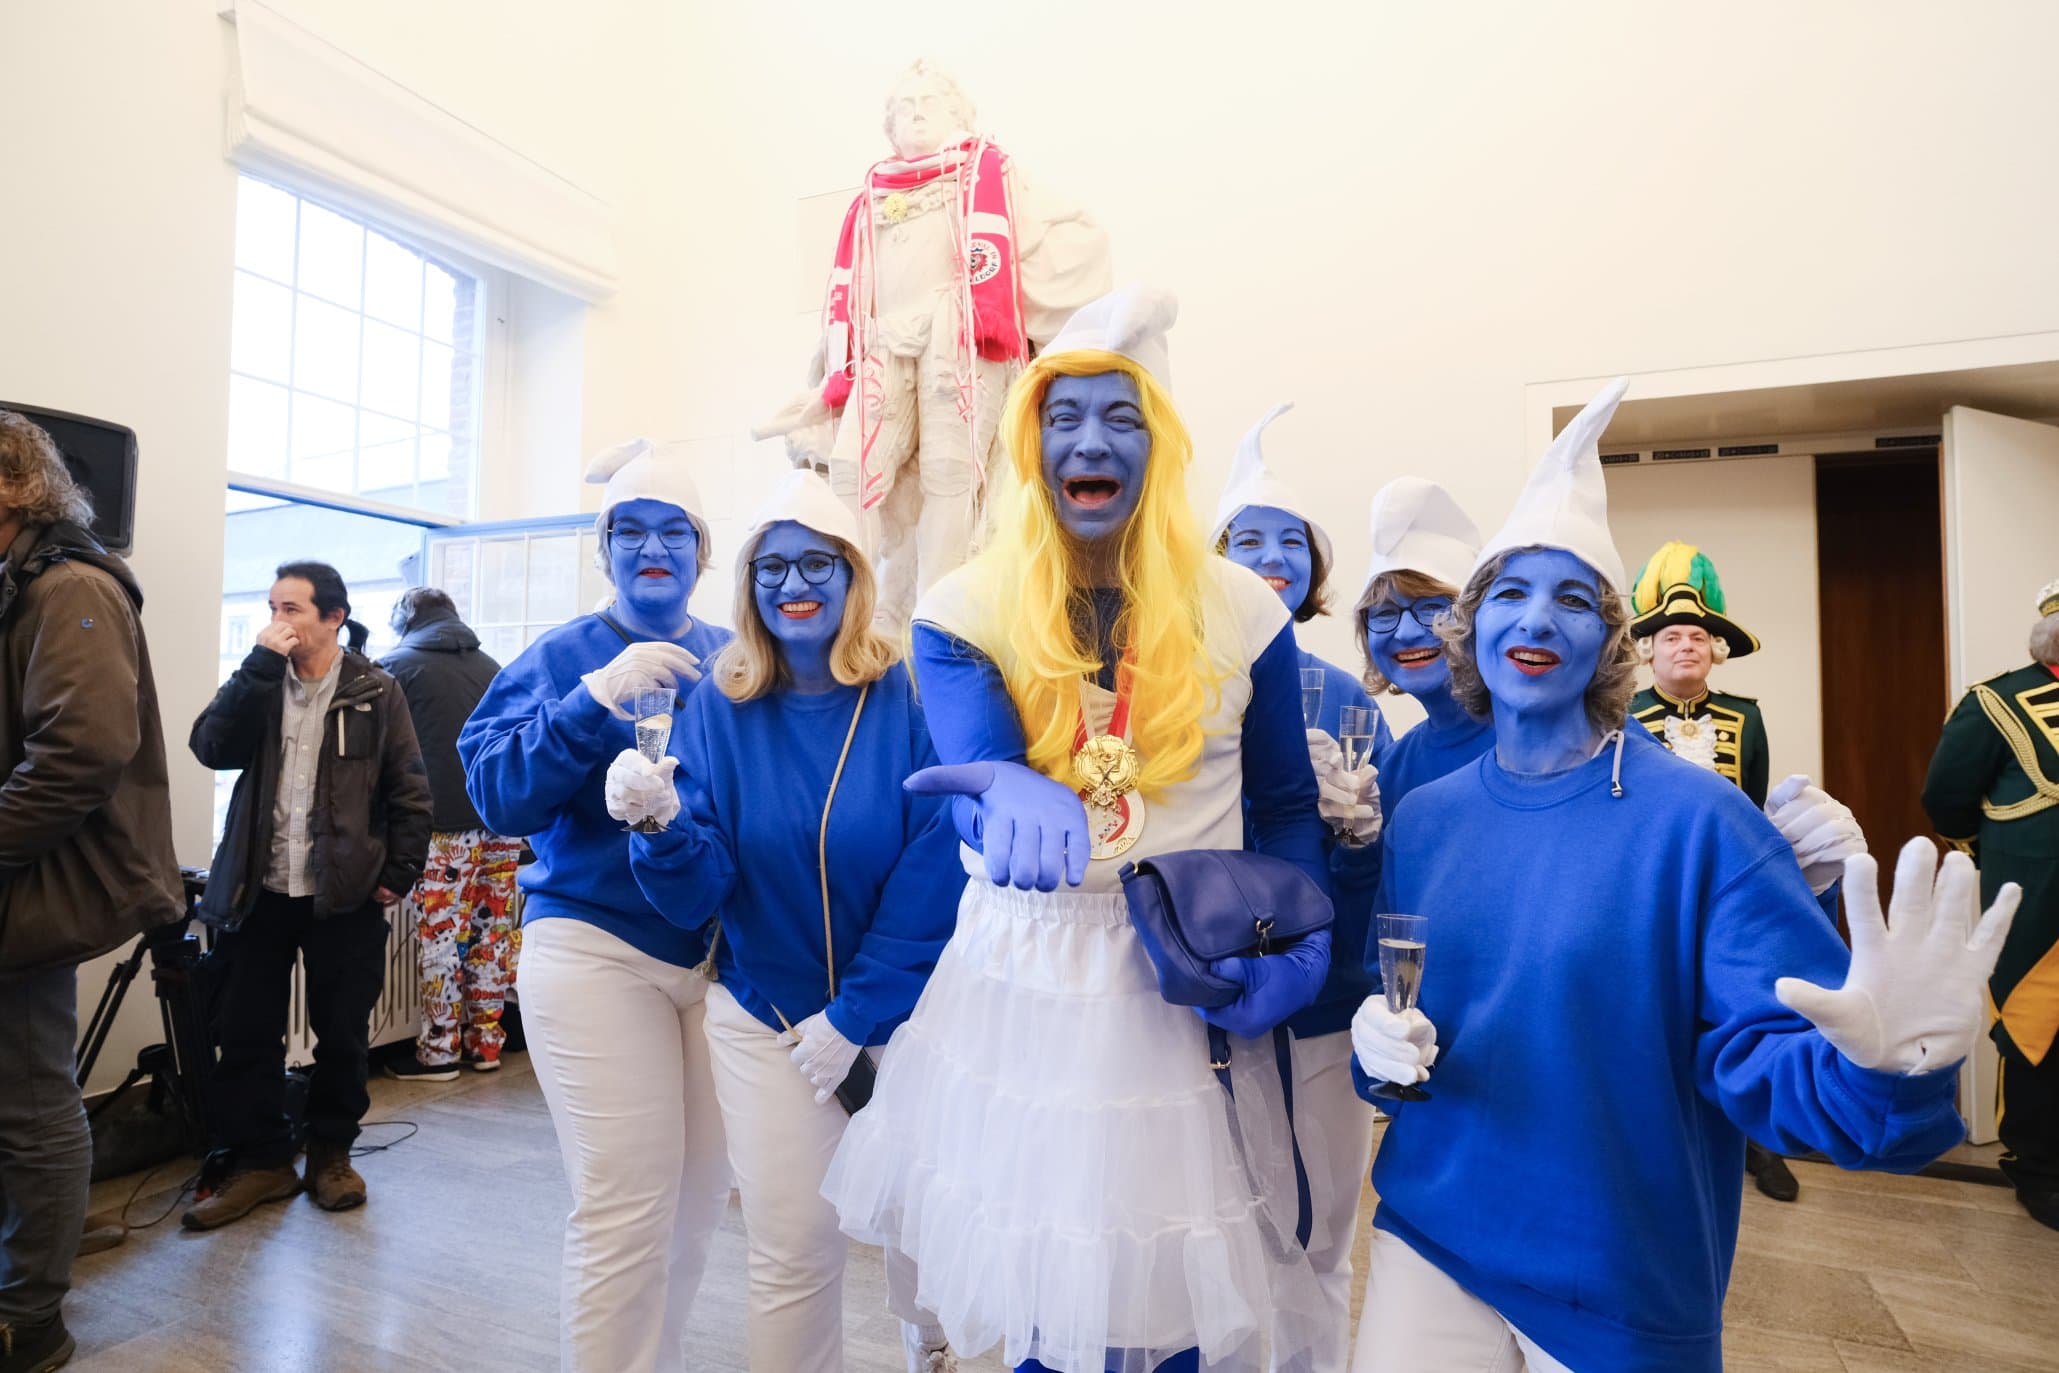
x,y
1047,1143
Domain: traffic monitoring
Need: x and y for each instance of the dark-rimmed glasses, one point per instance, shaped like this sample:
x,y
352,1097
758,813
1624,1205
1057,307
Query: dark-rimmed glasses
x,y
1385,618
630,539
770,571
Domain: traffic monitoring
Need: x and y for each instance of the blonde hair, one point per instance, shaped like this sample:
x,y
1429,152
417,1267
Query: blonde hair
x,y
34,482
1398,585
751,665
1615,672
1027,583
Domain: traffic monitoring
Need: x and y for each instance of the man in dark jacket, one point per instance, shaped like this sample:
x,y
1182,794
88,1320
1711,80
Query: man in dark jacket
x,y
327,826
463,907
86,856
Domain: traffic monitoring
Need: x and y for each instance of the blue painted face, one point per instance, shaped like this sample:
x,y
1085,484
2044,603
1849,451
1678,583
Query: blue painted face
x,y
1409,654
803,616
1095,449
1275,544
1539,635
653,581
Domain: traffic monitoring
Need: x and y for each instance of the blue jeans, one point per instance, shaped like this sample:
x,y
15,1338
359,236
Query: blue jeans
x,y
46,1150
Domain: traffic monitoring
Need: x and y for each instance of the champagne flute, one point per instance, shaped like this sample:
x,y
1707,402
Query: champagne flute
x,y
1404,940
1311,698
653,733
1355,727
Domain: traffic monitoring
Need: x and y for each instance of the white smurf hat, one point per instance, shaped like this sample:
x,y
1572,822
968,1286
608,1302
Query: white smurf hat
x,y
1418,527
1252,483
806,500
1130,321
641,470
1566,503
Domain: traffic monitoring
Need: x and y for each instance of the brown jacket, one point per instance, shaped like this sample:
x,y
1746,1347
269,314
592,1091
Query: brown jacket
x,y
370,823
86,855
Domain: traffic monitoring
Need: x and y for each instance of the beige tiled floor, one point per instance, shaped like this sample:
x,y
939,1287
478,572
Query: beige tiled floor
x,y
453,1266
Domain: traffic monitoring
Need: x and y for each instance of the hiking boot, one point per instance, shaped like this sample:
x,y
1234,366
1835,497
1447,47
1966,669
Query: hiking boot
x,y
412,1069
35,1348
240,1193
333,1183
1770,1171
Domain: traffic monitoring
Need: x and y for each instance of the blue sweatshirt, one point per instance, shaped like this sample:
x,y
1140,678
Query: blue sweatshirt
x,y
536,754
1603,996
752,780
1350,869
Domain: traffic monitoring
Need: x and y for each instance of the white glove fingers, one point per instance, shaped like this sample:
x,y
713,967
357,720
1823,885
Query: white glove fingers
x,y
1862,905
1789,788
1955,905
1813,1003
1915,889
1994,926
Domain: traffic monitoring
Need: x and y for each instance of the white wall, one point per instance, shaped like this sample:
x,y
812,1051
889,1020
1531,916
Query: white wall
x,y
1755,518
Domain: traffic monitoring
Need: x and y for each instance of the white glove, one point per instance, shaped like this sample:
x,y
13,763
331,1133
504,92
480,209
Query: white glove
x,y
1820,829
1390,1047
640,667
1349,798
638,789
824,1056
1913,999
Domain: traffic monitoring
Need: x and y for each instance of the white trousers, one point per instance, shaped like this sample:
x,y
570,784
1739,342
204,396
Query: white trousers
x,y
1416,1319
616,1039
1334,1128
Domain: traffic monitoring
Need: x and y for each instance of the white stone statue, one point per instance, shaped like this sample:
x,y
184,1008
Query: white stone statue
x,y
950,267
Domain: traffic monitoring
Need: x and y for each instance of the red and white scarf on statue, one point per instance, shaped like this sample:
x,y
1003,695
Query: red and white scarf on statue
x,y
988,287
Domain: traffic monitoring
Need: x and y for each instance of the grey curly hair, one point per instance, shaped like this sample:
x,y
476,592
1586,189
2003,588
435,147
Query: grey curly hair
x,y
2044,640
1615,675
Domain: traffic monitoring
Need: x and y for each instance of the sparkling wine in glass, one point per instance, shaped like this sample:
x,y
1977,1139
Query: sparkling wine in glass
x,y
653,733
1403,940
1311,698
1355,727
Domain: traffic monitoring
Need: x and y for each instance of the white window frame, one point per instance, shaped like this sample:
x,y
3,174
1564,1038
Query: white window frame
x,y
490,322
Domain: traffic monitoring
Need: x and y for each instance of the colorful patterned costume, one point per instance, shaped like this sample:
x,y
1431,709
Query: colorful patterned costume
x,y
464,915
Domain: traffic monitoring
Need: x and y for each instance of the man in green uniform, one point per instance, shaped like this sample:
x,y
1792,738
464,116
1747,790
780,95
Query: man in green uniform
x,y
1681,628
1993,790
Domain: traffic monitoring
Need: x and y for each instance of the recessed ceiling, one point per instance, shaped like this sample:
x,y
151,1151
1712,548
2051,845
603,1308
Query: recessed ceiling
x,y
2025,390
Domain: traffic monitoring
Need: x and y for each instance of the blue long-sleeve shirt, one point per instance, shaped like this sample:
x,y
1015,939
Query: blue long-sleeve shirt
x,y
973,720
1603,995
536,752
752,780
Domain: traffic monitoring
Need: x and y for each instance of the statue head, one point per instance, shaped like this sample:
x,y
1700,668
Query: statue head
x,y
925,110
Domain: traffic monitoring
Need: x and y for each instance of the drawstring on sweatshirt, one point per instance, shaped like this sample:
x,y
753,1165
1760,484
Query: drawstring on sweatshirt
x,y
1616,769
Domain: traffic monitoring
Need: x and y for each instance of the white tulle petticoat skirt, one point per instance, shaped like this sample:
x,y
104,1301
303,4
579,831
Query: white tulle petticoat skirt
x,y
1048,1146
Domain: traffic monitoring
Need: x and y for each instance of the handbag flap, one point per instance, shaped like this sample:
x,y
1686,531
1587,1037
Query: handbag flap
x,y
1226,902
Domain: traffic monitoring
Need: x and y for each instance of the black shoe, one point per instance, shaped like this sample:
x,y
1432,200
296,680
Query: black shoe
x,y
2043,1207
35,1348
1769,1170
412,1069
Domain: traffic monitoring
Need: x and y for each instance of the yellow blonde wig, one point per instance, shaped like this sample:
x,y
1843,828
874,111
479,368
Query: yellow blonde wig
x,y
1032,573
751,665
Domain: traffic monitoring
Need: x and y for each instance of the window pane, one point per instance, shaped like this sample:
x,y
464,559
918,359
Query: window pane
x,y
264,229
393,282
325,350
440,305
386,459
261,335
436,382
257,427
324,442
393,370
332,255
553,577
435,455
593,583
450,567
499,591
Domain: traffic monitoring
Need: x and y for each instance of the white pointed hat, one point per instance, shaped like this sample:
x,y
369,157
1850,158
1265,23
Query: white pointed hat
x,y
639,470
804,498
1131,321
1252,482
1418,527
1566,503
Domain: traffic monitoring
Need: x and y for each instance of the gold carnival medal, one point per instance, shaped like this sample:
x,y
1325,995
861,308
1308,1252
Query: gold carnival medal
x,y
1104,771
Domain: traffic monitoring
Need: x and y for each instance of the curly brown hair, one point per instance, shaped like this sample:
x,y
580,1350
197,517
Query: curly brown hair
x,y
1615,675
1402,585
1317,601
35,485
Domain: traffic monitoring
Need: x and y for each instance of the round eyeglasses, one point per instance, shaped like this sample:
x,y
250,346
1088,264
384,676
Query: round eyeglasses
x,y
629,538
1385,618
770,570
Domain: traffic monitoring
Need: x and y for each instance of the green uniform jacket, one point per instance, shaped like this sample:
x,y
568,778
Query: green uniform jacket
x,y
1740,732
1996,764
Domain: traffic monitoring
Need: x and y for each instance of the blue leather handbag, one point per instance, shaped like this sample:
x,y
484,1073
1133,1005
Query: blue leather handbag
x,y
1198,905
